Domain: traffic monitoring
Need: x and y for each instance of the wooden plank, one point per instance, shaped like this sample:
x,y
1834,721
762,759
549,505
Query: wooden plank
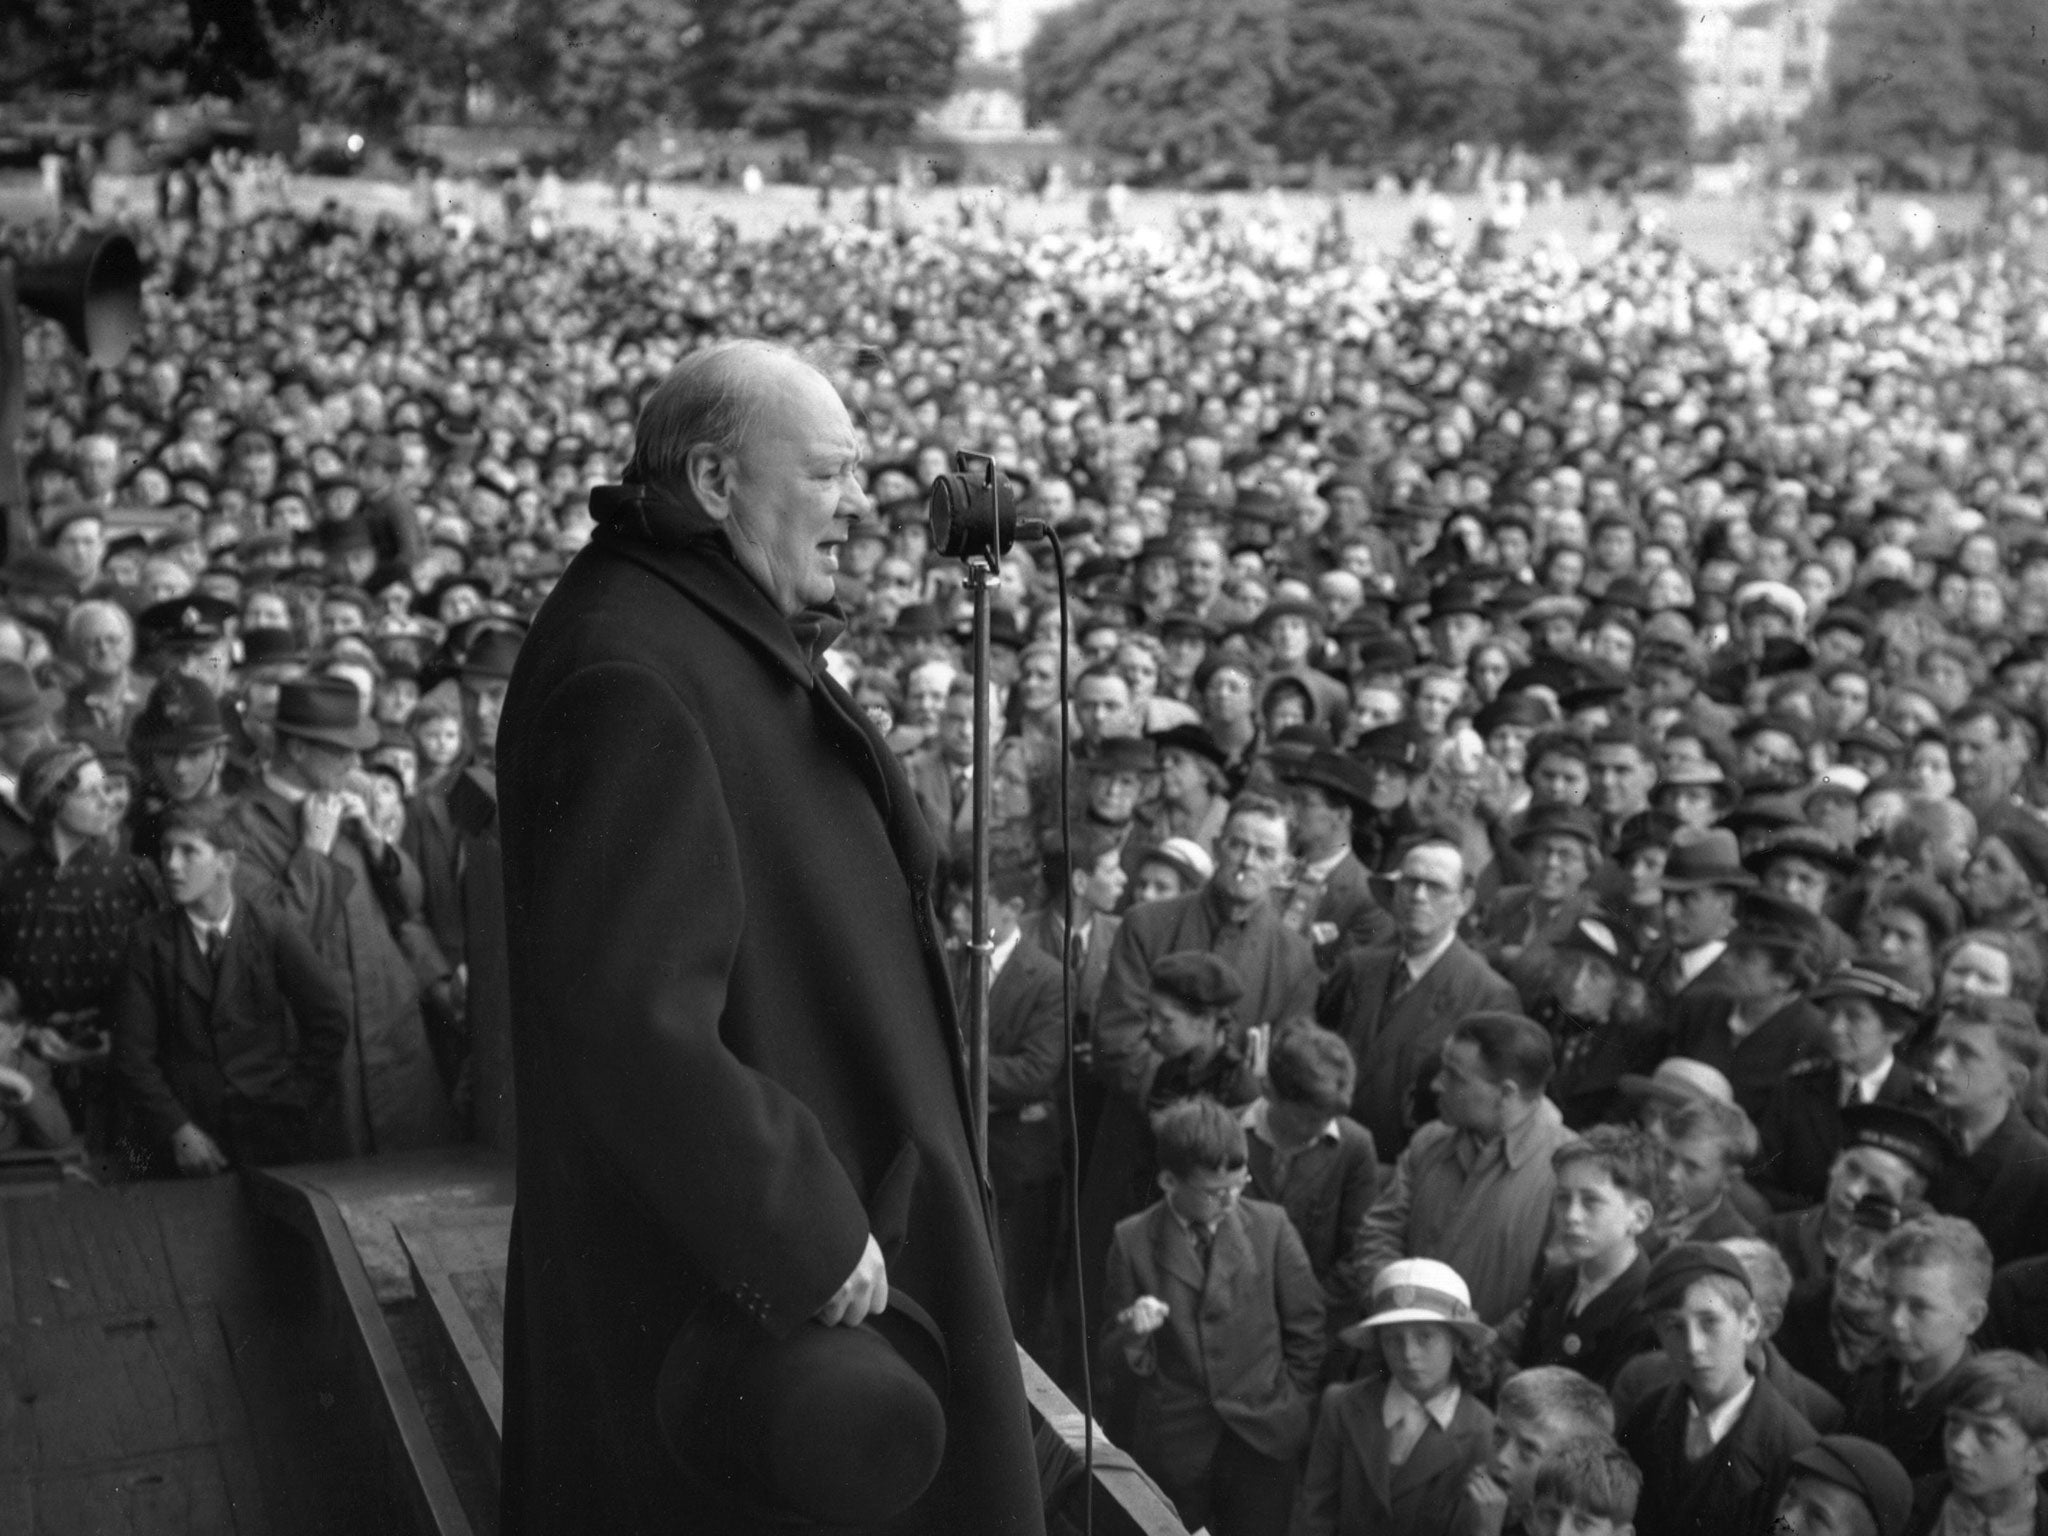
x,y
102,1390
87,1252
173,1494
462,1307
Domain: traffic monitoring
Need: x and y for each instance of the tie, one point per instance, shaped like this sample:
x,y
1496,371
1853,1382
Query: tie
x,y
1699,1440
211,944
1397,985
1205,1243
1077,951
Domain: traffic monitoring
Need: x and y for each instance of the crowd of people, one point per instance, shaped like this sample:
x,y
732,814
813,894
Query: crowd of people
x,y
1543,832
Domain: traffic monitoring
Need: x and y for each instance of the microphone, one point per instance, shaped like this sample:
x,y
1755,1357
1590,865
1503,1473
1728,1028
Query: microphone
x,y
973,515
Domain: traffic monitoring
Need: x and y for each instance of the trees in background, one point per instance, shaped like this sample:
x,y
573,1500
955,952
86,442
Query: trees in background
x,y
1909,78
1597,82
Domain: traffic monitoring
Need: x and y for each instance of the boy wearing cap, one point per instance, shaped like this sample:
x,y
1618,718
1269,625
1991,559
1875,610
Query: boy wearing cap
x,y
1216,1315
1995,1452
1588,1312
1715,1445
1843,1485
1934,1277
1392,1452
1871,1007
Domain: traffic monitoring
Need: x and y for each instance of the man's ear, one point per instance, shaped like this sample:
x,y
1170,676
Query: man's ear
x,y
1641,1216
709,473
229,859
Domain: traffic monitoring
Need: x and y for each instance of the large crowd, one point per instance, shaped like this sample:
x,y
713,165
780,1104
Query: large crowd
x,y
1555,843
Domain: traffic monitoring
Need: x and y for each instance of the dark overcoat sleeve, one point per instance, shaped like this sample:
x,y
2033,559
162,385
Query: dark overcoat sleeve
x,y
753,1195
136,1030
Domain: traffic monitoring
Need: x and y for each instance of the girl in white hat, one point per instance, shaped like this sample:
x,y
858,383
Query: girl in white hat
x,y
1391,1452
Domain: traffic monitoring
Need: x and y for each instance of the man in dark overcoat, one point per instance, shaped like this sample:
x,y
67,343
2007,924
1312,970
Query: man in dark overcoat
x,y
740,1078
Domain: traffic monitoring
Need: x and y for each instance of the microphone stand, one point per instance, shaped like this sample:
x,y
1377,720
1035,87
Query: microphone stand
x,y
981,947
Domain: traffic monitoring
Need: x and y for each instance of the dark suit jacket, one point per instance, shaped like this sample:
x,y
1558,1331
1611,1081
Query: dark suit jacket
x,y
1026,1057
1047,930
1613,1330
1519,945
1931,1493
1329,1187
1350,1490
1914,1431
1762,1059
1800,1132
1809,1399
1246,1337
266,1029
1393,1050
2003,1188
1732,1490
1655,969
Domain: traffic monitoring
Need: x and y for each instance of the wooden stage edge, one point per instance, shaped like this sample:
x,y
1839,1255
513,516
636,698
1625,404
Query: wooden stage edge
x,y
414,1249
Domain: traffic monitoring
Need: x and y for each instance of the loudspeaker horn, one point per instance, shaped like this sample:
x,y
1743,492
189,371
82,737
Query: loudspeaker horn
x,y
94,291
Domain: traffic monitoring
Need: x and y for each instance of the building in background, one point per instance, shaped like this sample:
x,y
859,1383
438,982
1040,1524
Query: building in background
x,y
1756,64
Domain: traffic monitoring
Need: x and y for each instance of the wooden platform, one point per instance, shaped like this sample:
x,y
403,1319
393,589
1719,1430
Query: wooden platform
x,y
159,1371
418,1245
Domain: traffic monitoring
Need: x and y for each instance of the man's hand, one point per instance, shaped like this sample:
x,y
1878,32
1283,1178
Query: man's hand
x,y
1488,1499
320,822
1146,1315
197,1153
355,810
866,1291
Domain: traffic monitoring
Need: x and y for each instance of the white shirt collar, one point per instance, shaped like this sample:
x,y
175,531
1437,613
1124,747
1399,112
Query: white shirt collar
x,y
1000,955
1692,961
1419,965
1864,1089
1401,1403
1723,1418
201,928
283,788
1321,870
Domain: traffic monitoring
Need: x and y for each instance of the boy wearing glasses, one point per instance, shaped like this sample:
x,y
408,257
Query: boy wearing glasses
x,y
1217,1318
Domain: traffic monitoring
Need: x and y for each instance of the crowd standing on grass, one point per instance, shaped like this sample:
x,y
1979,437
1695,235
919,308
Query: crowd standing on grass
x,y
1554,876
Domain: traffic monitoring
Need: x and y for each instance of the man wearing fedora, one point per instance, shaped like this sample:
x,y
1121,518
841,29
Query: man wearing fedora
x,y
1702,879
752,1279
1331,900
1523,924
305,827
1763,1026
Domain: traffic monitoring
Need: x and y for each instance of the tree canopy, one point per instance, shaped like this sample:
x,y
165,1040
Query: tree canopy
x,y
1913,77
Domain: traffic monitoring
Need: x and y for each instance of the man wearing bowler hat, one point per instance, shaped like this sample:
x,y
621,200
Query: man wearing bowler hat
x,y
752,1281
306,826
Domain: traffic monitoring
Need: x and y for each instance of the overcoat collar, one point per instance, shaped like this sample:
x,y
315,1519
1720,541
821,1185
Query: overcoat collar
x,y
1437,1452
683,546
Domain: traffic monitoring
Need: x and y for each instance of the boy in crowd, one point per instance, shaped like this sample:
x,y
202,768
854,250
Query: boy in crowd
x,y
1845,1486
1985,1055
1934,1275
1715,1445
1995,1452
1706,1145
1539,1411
1589,1488
1215,1312
228,1029
1312,1159
1588,1313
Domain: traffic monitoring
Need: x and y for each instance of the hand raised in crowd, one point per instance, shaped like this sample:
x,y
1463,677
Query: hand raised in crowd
x,y
320,818
1143,1317
865,1292
1488,1502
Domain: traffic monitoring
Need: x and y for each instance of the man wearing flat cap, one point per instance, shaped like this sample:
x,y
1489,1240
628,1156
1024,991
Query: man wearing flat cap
x,y
306,827
746,1161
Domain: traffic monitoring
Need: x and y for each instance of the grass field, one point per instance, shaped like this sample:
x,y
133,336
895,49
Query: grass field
x,y
1718,230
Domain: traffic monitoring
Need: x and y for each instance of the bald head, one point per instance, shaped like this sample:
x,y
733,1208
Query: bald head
x,y
761,442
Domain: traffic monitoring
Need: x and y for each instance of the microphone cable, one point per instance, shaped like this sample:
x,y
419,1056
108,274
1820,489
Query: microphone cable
x,y
1080,1269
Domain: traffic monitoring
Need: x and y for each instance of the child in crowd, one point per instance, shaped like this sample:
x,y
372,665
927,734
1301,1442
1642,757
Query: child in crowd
x,y
1934,1275
1715,1445
1312,1159
1589,1488
437,726
1845,1486
1588,1313
1994,1453
1216,1315
1986,1055
1539,1411
1392,1453
1706,1145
